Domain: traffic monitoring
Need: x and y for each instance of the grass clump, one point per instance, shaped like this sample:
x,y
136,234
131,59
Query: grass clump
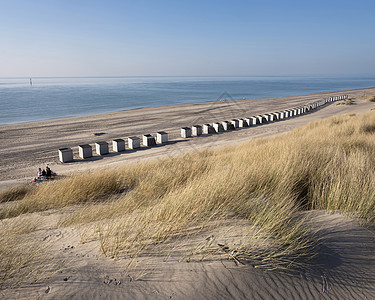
x,y
14,193
22,259
346,102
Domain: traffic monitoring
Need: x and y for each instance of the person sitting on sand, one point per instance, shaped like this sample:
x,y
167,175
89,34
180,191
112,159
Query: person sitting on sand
x,y
48,172
44,173
39,173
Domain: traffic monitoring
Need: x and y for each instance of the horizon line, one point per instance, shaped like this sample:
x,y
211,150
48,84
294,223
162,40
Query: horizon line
x,y
219,76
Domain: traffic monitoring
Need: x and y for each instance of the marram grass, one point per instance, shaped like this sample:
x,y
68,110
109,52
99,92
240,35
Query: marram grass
x,y
266,183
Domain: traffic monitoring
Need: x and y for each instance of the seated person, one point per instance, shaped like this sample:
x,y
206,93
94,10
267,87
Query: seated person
x,y
48,172
39,173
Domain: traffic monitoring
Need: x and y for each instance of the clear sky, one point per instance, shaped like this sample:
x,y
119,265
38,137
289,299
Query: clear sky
x,y
176,37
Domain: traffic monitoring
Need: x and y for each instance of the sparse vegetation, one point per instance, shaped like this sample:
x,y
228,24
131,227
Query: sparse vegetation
x,y
265,183
22,258
346,102
366,97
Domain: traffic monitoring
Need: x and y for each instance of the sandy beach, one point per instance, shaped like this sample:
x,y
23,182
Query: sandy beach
x,y
29,146
345,268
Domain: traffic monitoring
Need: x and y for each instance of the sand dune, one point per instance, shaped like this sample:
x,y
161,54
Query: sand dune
x,y
345,270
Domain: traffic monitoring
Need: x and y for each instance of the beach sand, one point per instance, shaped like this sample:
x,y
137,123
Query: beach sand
x,y
25,147
345,268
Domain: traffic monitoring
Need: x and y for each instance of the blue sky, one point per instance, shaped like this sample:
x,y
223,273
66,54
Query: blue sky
x,y
136,38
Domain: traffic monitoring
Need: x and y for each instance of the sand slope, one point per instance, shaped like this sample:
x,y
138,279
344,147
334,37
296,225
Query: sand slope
x,y
345,270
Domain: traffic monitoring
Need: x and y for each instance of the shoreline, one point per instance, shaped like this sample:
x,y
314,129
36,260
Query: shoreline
x,y
185,104
30,145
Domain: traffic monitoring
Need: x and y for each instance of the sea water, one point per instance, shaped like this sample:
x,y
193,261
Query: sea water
x,y
25,99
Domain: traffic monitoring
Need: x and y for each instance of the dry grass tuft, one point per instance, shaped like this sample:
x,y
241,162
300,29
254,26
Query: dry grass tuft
x,y
15,193
346,102
22,259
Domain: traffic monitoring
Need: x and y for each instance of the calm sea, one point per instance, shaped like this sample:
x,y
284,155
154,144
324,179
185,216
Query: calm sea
x,y
49,98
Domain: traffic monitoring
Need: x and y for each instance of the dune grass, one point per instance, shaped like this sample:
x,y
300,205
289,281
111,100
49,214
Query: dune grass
x,y
22,258
328,164
16,192
346,102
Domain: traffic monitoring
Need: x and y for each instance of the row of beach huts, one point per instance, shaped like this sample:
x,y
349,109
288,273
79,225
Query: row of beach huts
x,y
118,145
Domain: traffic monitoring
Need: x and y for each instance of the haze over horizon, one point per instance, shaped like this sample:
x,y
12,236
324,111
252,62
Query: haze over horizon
x,y
192,38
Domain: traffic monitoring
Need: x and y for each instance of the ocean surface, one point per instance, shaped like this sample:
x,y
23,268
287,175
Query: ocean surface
x,y
25,99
